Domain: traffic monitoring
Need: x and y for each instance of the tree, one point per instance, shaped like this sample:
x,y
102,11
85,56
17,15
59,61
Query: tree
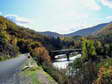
x,y
41,55
99,48
84,49
23,45
4,37
91,50
3,26
110,51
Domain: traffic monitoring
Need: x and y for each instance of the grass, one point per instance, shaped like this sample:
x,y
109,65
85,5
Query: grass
x,y
32,75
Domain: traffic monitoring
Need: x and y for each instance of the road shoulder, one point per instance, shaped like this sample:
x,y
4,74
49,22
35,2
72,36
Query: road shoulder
x,y
35,75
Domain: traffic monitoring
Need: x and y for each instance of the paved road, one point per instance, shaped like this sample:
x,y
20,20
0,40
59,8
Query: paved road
x,y
10,68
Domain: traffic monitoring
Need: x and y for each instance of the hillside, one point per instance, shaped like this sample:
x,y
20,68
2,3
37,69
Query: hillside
x,y
51,34
87,31
7,48
105,34
16,39
105,31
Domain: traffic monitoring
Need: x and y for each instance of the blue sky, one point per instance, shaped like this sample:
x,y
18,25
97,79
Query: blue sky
x,y
62,16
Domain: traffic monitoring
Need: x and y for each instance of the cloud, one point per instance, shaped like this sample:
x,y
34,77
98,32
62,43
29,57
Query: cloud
x,y
18,19
109,17
67,16
107,3
90,4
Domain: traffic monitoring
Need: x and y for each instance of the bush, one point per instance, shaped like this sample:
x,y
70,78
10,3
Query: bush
x,y
41,55
59,76
106,63
104,76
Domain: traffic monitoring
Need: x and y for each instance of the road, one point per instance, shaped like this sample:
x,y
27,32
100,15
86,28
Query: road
x,y
10,68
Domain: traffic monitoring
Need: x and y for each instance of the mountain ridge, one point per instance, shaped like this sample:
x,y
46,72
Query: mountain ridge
x,y
82,32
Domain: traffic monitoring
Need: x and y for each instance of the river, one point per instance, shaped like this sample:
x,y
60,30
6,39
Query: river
x,y
62,63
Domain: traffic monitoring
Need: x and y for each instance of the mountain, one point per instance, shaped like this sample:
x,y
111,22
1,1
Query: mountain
x,y
105,34
87,31
51,34
105,31
82,32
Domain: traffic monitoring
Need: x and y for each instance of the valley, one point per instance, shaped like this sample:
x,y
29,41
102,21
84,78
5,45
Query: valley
x,y
88,56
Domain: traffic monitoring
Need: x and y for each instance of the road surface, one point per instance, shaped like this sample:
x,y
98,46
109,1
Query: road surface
x,y
9,70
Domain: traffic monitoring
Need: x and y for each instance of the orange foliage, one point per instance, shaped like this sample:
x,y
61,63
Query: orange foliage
x,y
13,40
101,75
41,54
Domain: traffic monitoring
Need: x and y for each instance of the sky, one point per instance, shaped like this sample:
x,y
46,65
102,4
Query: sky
x,y
62,16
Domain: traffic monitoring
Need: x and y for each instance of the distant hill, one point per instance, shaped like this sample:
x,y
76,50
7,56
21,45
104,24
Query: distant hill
x,y
82,32
105,34
51,34
88,31
105,31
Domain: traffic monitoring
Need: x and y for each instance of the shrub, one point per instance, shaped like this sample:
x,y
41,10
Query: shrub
x,y
41,55
104,76
58,75
106,63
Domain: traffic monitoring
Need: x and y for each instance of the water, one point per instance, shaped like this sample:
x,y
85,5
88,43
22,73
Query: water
x,y
63,63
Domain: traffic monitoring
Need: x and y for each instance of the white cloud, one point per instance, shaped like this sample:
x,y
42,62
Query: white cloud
x,y
18,19
109,17
90,4
107,3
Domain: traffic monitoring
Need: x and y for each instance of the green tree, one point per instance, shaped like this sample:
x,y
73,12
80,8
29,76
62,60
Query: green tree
x,y
84,49
91,50
99,48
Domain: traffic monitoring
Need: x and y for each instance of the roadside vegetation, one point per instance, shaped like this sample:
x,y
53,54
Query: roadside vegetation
x,y
35,74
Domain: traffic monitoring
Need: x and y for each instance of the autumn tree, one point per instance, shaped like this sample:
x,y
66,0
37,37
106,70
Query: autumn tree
x,y
41,55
